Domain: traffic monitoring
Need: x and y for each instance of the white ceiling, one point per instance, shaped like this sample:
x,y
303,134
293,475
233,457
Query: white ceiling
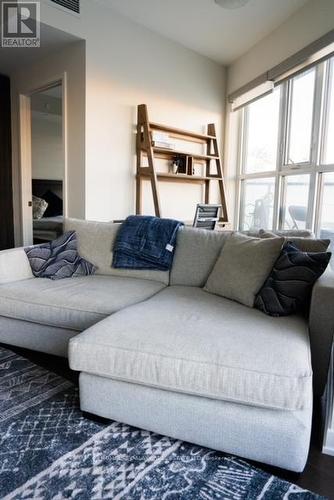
x,y
203,26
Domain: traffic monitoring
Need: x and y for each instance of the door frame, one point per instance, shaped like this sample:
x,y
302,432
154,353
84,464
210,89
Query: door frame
x,y
26,157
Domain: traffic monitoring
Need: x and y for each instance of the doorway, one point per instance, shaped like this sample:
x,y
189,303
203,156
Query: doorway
x,y
43,164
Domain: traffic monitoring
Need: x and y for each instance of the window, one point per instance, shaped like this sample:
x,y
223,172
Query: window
x,y
301,90
258,203
261,132
286,174
327,210
329,133
295,204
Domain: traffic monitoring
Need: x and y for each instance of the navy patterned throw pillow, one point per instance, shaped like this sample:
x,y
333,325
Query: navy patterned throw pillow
x,y
288,288
58,259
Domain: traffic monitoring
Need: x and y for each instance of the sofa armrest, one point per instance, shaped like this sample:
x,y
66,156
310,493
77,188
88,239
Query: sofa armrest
x,y
321,325
14,266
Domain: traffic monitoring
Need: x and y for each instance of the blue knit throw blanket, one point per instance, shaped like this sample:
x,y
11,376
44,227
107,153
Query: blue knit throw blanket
x,y
145,242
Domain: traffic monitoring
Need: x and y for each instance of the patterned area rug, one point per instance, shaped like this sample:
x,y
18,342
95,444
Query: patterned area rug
x,y
50,451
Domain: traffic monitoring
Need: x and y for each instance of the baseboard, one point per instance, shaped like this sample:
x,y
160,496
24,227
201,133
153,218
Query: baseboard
x,y
328,447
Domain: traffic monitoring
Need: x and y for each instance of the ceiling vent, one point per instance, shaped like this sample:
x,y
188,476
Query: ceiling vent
x,y
72,5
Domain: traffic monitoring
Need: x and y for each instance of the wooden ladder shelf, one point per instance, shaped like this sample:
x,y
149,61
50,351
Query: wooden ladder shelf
x,y
146,149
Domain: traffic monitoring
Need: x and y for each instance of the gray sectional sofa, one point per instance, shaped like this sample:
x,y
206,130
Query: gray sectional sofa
x,y
158,352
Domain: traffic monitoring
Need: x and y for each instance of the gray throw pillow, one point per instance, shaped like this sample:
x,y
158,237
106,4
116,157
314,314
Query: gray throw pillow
x,y
304,244
38,207
242,267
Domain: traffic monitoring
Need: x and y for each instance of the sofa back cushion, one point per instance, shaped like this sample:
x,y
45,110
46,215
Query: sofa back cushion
x,y
302,243
196,253
285,233
95,243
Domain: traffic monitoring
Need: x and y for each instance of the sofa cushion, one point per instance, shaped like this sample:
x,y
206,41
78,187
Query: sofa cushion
x,y
95,243
243,266
72,303
186,340
196,253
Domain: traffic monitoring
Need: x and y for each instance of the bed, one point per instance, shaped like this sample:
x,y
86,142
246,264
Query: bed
x,y
50,226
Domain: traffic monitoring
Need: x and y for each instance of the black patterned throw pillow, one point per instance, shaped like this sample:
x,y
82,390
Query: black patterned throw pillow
x,y
58,259
288,288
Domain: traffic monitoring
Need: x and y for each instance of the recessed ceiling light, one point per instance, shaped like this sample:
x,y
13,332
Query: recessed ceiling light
x,y
231,4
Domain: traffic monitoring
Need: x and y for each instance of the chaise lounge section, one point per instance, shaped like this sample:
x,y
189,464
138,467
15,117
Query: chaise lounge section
x,y
197,367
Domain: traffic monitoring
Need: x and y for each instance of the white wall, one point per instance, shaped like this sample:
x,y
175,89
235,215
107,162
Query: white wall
x,y
127,65
70,61
312,21
47,147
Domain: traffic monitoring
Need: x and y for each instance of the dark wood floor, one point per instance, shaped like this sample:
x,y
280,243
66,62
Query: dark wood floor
x,y
318,475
